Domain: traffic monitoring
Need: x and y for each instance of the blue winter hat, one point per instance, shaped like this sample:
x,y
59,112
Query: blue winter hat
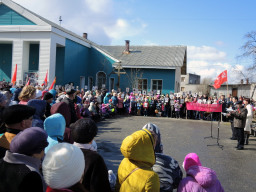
x,y
55,125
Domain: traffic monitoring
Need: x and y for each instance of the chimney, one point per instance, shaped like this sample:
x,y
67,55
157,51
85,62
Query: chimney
x,y
247,81
127,47
242,81
85,35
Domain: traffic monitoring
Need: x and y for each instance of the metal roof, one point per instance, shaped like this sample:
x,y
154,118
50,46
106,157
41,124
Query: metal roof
x,y
149,56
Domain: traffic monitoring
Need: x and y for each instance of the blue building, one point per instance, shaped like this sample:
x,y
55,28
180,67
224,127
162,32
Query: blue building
x,y
38,45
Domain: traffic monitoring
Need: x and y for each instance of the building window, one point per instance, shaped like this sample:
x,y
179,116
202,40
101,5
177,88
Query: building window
x,y
101,79
142,84
157,85
182,88
182,79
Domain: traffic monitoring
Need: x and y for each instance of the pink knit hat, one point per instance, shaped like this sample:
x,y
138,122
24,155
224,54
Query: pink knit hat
x,y
191,159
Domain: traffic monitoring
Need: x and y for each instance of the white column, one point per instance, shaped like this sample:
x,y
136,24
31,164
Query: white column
x,y
20,57
44,60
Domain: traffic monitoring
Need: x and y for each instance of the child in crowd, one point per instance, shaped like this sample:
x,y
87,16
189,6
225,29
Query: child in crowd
x,y
198,178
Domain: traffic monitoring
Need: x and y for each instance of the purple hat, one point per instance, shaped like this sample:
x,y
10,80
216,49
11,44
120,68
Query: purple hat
x,y
30,141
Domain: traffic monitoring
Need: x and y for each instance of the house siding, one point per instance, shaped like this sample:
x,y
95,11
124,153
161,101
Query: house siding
x,y
76,62
166,75
10,17
100,62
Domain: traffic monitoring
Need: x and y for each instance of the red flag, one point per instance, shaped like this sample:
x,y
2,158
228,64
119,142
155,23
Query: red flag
x,y
28,82
14,77
45,79
54,81
223,77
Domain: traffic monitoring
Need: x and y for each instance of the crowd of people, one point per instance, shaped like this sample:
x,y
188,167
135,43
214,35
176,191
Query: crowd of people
x,y
47,141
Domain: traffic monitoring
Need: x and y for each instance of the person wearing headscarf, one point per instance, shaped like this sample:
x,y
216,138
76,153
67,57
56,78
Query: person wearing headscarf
x,y
198,178
166,167
63,109
54,125
19,169
135,170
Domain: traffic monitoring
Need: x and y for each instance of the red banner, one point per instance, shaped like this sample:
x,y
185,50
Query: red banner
x,y
204,107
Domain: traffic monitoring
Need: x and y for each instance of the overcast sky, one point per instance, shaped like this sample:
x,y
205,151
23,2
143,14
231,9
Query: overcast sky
x,y
213,30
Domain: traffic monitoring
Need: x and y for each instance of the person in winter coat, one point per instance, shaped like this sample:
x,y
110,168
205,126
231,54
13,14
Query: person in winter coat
x,y
48,97
38,118
55,128
247,128
63,109
239,123
135,171
177,107
95,176
107,98
69,99
198,178
19,169
120,104
114,100
54,93
16,118
63,167
15,97
166,167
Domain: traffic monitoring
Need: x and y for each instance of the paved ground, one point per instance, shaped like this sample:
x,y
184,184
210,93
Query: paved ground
x,y
236,170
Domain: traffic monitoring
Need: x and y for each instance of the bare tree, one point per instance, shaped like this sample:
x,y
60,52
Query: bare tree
x,y
134,76
203,87
249,51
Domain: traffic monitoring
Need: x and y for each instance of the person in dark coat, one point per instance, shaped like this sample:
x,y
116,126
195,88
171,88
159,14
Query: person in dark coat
x,y
2,107
16,119
48,97
69,99
95,173
239,123
19,169
38,118
166,167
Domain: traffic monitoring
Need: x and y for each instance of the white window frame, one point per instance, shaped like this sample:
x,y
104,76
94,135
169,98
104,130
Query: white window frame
x,y
110,90
156,80
96,84
138,83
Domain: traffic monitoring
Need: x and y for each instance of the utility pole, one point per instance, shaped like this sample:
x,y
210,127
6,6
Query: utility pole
x,y
118,72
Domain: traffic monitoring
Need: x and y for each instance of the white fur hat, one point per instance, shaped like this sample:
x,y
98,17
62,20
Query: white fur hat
x,y
63,166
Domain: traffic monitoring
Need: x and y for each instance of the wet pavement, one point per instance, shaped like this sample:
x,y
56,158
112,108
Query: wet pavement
x,y
235,169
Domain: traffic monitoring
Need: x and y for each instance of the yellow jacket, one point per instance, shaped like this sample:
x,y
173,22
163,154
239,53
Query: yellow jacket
x,y
138,151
